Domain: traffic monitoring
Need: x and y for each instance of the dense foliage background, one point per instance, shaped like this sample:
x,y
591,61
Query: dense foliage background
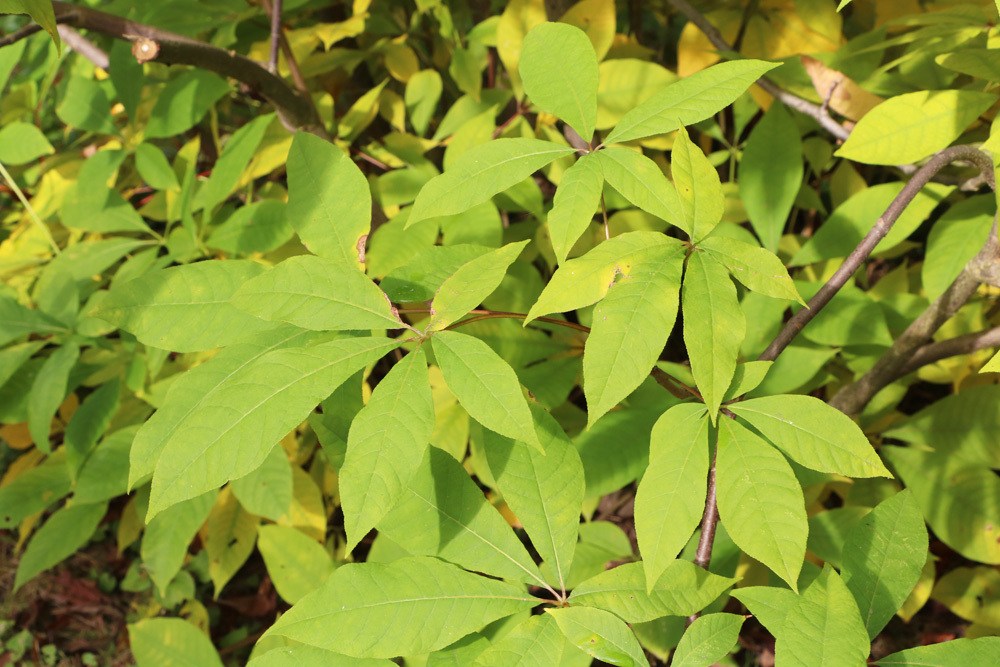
x,y
253,268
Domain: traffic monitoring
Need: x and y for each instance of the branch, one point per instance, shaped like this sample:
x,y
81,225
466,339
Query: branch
x,y
83,46
953,347
788,99
295,111
852,398
876,234
272,63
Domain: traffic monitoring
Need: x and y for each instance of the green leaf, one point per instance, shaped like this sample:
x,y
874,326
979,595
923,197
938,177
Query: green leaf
x,y
574,204
64,533
171,642
770,605
760,501
443,513
748,376
311,656
91,205
471,285
759,270
955,239
630,328
823,627
233,161
104,474
770,174
570,96
681,590
979,652
421,277
85,105
600,634
639,180
296,563
698,187
317,293
535,642
197,388
184,308
813,434
168,535
12,358
689,100
714,327
17,321
959,498
671,495
544,491
485,385
154,168
482,172
883,557
583,281
708,640
615,451
183,102
89,422
21,143
385,445
48,391
427,604
250,413
258,227
329,203
40,11
910,127
423,91
33,490
266,491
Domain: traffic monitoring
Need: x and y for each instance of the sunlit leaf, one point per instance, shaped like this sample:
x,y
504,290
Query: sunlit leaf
x,y
600,634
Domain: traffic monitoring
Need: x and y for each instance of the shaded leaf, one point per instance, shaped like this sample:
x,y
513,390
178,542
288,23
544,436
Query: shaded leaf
x,y
171,642
574,204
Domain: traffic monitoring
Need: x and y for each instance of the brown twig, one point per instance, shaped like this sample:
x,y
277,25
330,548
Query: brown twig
x,y
788,99
83,46
295,110
882,226
953,347
276,34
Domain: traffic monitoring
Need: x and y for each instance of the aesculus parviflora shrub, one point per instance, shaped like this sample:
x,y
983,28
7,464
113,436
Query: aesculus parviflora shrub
x,y
480,339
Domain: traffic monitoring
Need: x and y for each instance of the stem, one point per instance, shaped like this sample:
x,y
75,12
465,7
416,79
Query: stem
x,y
604,212
83,46
877,233
855,396
272,63
295,111
953,347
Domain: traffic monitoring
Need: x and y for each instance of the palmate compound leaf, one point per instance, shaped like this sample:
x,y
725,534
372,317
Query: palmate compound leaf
x,y
630,327
813,434
714,327
698,186
671,495
411,606
485,385
758,270
471,284
231,435
574,204
535,642
639,180
544,490
184,308
549,49
385,445
443,513
883,557
329,203
689,100
583,281
823,627
482,172
601,634
708,640
682,589
317,293
760,501
198,387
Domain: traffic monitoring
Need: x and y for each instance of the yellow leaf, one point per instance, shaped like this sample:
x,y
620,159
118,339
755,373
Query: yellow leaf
x,y
393,109
307,512
695,52
517,19
228,535
16,435
331,33
849,99
130,524
597,19
401,61
361,113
